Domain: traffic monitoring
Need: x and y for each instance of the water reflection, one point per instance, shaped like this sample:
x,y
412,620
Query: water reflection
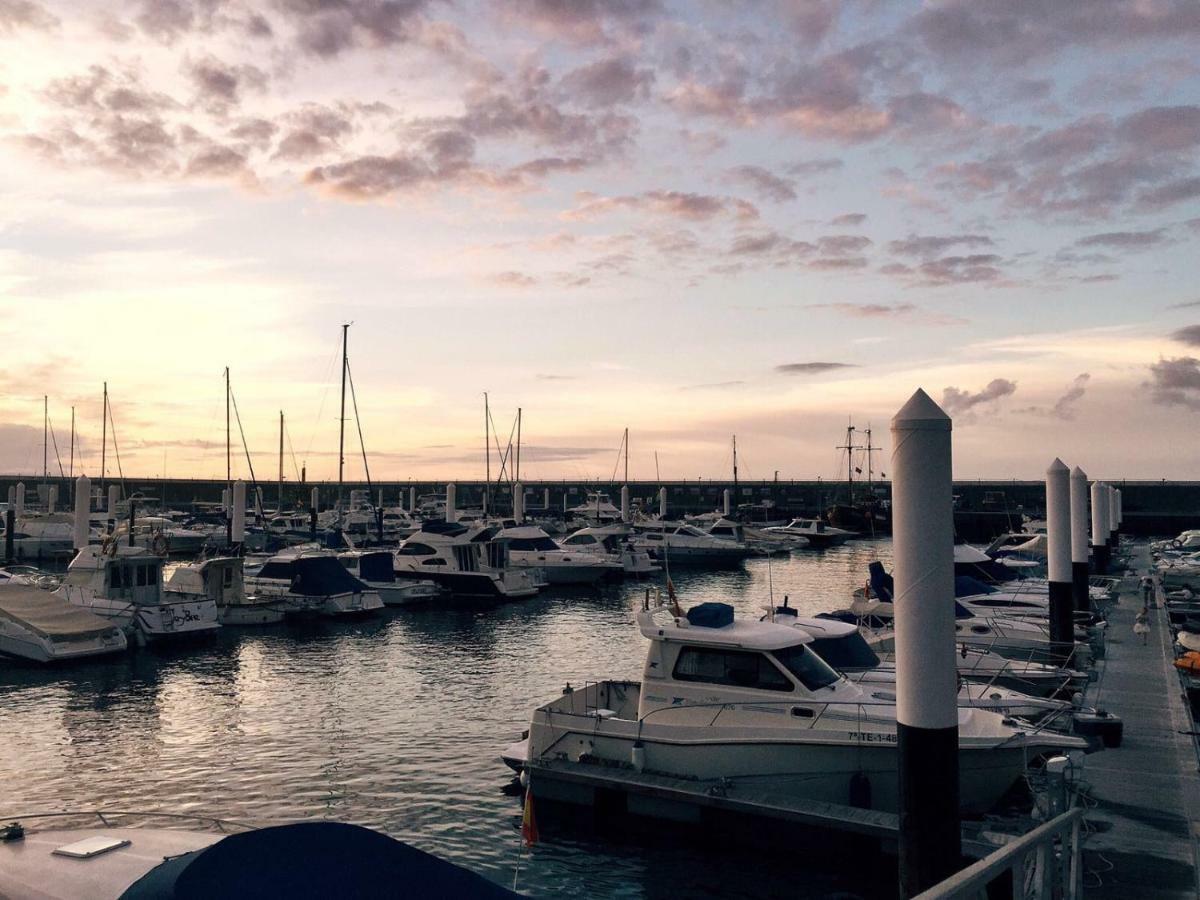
x,y
394,723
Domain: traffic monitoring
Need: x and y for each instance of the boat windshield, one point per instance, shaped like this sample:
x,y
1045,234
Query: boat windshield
x,y
537,543
848,652
812,671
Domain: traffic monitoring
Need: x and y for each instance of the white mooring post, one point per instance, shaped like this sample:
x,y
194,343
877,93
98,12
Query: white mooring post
x,y
19,504
314,500
114,497
519,502
726,502
1113,539
83,496
546,500
1120,511
1058,559
238,532
1079,540
412,499
451,503
626,513
662,503
1099,528
12,496
926,668
52,498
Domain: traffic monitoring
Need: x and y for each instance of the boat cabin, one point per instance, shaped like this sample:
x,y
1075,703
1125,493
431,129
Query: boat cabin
x,y
117,573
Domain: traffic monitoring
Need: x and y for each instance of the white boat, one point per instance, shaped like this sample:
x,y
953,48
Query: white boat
x,y
598,507
818,534
376,569
124,585
37,626
39,536
165,536
221,579
529,547
731,702
613,542
312,582
680,544
466,562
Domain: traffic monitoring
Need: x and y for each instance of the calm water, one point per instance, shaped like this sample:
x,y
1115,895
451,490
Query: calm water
x,y
395,723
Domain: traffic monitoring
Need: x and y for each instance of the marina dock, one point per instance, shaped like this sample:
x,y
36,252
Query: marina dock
x,y
1144,796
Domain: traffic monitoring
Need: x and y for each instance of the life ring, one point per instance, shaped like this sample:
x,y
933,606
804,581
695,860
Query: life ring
x,y
161,544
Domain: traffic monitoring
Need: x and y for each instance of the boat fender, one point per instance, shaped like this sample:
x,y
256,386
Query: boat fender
x,y
637,756
860,790
13,831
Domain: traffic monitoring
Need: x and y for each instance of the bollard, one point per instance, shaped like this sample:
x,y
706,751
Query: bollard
x,y
10,528
926,671
519,503
52,498
1099,531
412,499
1058,560
1082,600
314,502
451,503
662,503
546,499
19,507
83,496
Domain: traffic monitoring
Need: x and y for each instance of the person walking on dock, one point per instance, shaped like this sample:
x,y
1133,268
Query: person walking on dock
x,y
1141,625
1147,589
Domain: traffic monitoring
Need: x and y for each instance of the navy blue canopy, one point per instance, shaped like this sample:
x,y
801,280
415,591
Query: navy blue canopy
x,y
882,585
377,566
313,576
966,586
309,860
710,615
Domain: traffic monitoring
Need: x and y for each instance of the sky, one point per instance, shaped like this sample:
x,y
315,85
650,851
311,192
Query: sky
x,y
693,220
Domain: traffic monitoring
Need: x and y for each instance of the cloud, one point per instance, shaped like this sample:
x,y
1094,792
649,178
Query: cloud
x,y
932,245
678,204
958,402
852,220
1187,304
814,167
1176,382
579,21
328,29
16,14
609,82
812,368
976,267
1065,407
513,279
714,386
549,376
1126,240
766,183
907,311
1189,334
219,85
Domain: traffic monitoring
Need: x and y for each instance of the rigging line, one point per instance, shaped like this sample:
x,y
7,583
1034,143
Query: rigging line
x,y
54,440
245,446
337,350
496,439
358,423
113,425
617,464
288,433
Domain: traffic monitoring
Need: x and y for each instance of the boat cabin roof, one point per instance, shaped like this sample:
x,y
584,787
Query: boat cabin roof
x,y
658,625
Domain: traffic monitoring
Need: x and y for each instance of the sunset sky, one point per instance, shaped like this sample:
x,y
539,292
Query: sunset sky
x,y
693,219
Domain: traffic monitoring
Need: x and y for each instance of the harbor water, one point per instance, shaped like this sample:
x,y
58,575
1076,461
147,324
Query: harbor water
x,y
396,723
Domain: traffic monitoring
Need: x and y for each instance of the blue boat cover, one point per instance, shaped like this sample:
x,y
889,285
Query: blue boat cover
x,y
882,585
309,860
377,567
966,586
710,615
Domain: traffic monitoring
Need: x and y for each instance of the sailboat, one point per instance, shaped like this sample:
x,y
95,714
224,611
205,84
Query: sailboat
x,y
865,512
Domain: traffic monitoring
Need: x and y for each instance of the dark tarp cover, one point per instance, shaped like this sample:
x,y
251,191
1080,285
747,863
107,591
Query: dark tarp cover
x,y
377,567
882,585
710,615
309,860
966,586
313,576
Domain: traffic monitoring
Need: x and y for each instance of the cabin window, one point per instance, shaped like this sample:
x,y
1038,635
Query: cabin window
x,y
738,668
537,543
654,537
142,573
812,671
434,562
849,652
116,577
416,550
579,540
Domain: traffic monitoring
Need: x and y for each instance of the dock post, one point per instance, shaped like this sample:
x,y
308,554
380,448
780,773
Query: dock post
x,y
1079,540
314,502
518,490
1113,540
132,519
546,500
725,502
1099,529
926,671
114,497
1058,560
662,503
412,499
626,514
52,498
19,506
10,527
451,503
83,498
238,519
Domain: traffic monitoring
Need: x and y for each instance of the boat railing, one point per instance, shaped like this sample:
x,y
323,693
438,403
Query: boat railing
x,y
1044,864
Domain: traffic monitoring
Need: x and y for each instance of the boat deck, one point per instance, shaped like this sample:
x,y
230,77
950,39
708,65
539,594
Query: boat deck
x,y
1144,827
48,615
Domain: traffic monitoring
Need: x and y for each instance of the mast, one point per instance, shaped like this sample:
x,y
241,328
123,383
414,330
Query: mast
x,y
342,420
850,447
45,437
518,473
103,437
487,452
71,483
626,442
281,460
228,444
870,450
735,480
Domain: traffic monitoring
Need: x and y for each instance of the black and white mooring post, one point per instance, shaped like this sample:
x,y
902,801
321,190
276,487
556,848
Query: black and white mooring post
x,y
1099,529
1079,540
1113,540
1058,560
926,670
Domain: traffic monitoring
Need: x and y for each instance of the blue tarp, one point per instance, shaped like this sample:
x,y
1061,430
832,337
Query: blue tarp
x,y
710,615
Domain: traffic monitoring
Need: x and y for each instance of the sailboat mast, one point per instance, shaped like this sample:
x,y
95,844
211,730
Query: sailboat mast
x,y
228,444
342,419
870,450
281,460
71,485
735,478
45,437
487,453
627,455
103,437
518,473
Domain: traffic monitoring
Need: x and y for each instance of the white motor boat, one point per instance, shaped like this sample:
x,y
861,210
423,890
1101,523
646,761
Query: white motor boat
x,y
679,544
818,534
37,626
165,536
124,585
465,561
43,536
598,507
222,580
613,542
312,582
743,702
529,547
376,569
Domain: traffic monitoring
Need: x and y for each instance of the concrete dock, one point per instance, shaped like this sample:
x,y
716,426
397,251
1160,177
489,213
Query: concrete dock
x,y
1144,828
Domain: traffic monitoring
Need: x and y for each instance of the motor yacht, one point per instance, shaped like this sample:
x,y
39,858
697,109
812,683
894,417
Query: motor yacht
x,y
466,561
376,569
678,544
731,702
598,507
530,547
312,582
818,534
613,542
38,536
222,580
124,585
165,536
37,626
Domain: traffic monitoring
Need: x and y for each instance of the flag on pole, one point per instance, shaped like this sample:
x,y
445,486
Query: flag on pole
x,y
529,830
676,610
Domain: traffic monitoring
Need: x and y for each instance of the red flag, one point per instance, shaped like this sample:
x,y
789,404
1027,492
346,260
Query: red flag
x,y
529,830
